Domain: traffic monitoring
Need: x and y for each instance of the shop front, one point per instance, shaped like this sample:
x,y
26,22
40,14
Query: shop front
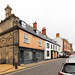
x,y
28,55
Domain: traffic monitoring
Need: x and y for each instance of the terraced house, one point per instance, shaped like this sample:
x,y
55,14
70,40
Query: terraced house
x,y
55,48
52,48
31,44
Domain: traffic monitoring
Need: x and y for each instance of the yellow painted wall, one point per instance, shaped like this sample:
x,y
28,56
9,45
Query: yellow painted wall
x,y
33,41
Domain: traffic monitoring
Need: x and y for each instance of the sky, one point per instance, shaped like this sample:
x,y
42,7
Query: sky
x,y
58,16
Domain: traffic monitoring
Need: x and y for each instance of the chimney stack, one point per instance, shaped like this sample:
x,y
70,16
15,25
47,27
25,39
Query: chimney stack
x,y
44,31
39,31
35,25
57,35
7,11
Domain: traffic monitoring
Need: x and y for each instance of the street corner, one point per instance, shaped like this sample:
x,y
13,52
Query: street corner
x,y
6,68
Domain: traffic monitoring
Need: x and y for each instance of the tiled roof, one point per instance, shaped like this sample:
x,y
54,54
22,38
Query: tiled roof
x,y
38,34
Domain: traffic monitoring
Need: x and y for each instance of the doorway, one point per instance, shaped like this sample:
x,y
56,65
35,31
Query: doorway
x,y
22,56
34,58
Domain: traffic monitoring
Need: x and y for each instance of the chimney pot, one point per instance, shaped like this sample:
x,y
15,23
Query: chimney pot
x,y
44,30
35,25
57,35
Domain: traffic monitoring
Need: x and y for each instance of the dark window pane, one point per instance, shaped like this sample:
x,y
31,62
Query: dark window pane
x,y
69,68
27,55
47,53
47,45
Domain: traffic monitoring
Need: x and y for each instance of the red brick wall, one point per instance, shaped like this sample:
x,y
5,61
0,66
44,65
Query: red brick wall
x,y
66,46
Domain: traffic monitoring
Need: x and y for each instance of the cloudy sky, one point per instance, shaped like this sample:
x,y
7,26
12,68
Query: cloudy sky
x,y
58,16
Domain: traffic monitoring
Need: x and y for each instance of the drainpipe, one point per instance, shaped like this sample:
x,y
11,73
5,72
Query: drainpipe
x,y
13,43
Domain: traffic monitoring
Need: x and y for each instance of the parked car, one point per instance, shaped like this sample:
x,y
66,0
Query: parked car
x,y
71,58
67,56
64,55
68,68
61,55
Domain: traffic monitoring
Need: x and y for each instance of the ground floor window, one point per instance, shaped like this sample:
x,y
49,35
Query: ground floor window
x,y
39,55
27,55
30,55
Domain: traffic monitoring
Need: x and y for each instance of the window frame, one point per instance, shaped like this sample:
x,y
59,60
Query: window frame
x,y
48,45
26,38
40,42
51,46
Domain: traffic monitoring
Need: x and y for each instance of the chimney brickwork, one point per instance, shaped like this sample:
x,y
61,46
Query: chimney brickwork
x,y
35,25
44,31
57,35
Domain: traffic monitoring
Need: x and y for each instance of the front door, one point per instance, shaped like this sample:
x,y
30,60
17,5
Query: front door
x,y
22,56
34,57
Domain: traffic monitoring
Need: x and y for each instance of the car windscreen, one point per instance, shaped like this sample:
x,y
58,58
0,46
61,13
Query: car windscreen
x,y
69,68
72,56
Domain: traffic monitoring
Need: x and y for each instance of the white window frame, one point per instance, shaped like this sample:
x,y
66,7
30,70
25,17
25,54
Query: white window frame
x,y
40,42
26,38
48,45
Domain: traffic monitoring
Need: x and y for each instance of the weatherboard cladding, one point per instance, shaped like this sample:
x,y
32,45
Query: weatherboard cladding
x,y
31,30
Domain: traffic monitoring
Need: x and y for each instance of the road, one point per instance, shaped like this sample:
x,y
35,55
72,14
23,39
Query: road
x,y
50,68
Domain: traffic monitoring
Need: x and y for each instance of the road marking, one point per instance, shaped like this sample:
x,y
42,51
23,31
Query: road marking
x,y
30,67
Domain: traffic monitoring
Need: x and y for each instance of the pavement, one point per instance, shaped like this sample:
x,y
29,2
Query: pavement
x,y
6,68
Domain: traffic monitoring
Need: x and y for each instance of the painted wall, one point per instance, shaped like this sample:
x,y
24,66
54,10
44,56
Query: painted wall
x,y
33,41
60,42
47,49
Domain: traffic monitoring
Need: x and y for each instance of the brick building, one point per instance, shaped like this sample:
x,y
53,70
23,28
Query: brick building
x,y
66,47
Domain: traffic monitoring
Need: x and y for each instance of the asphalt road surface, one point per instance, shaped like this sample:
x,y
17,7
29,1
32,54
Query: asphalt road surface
x,y
50,68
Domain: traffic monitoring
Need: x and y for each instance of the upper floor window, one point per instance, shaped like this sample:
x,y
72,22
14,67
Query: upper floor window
x,y
40,42
22,23
26,38
59,48
56,47
51,46
47,45
10,40
3,42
